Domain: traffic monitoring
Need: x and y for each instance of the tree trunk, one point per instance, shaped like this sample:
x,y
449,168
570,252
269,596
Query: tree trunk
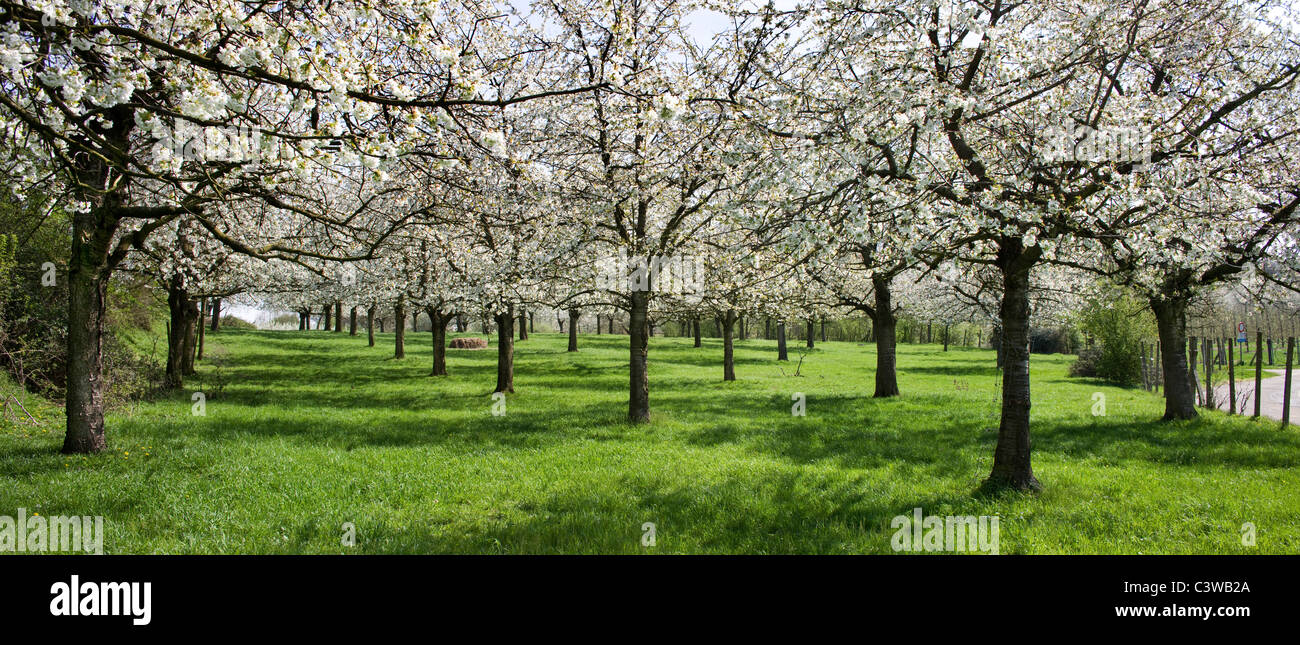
x,y
352,321
638,404
1011,458
811,331
438,323
182,314
505,351
695,329
781,353
88,274
573,329
523,326
823,330
191,337
1171,326
728,351
885,326
945,337
216,314
202,327
338,316
399,327
302,321
370,323
327,317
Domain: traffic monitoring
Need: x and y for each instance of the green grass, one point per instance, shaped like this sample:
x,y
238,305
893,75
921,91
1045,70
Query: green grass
x,y
308,430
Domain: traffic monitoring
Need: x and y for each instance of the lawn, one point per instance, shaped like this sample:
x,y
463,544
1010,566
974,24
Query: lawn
x,y
307,431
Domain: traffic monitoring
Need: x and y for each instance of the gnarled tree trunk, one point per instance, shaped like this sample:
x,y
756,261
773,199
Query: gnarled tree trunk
x,y
781,353
352,321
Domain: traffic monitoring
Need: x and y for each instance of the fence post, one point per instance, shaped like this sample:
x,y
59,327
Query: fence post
x,y
1259,368
1209,373
1286,387
1146,383
1192,352
1232,376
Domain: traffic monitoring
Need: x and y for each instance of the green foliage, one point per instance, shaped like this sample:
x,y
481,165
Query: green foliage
x,y
315,429
1118,322
234,322
34,304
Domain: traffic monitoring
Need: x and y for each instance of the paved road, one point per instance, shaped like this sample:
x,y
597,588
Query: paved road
x,y
1271,403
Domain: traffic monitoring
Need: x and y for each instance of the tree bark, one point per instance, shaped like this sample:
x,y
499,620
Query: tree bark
x,y
182,314
216,314
438,324
505,351
811,331
202,327
1171,327
638,404
695,328
885,326
781,353
399,327
1011,458
370,323
88,274
338,316
352,321
573,329
326,317
728,349
523,326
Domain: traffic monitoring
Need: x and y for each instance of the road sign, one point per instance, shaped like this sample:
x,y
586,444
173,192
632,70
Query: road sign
x,y
1241,332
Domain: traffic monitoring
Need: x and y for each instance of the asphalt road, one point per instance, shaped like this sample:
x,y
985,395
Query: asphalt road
x,y
1271,403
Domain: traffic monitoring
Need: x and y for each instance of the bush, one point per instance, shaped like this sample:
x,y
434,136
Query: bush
x,y
1118,322
234,322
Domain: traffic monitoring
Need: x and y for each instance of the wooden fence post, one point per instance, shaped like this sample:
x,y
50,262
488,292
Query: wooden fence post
x,y
1259,368
1232,377
1286,387
1209,373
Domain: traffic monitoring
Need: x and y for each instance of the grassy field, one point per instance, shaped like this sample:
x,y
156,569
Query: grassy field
x,y
306,431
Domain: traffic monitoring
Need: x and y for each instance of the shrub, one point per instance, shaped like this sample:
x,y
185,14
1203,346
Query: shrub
x,y
234,322
1118,322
